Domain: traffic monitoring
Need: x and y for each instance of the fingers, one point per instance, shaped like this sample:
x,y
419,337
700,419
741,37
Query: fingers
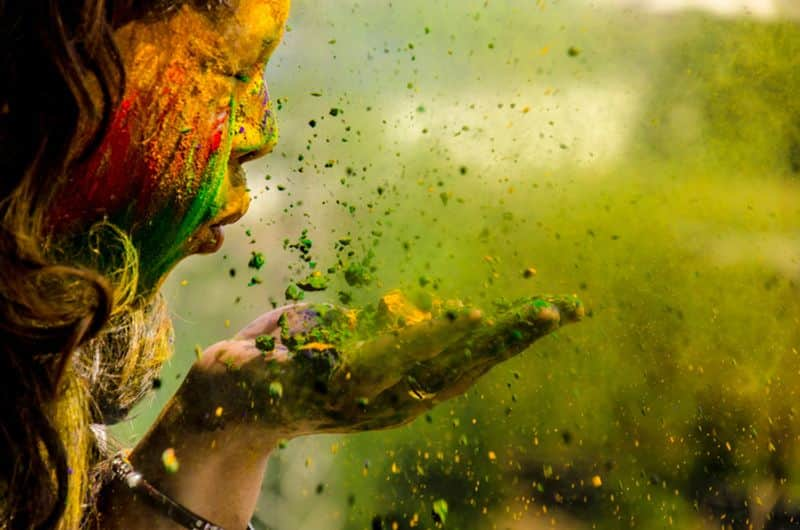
x,y
267,322
526,321
226,354
442,358
372,366
457,367
570,308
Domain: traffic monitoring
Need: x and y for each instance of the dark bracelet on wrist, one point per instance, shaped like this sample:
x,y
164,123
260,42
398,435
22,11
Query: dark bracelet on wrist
x,y
123,470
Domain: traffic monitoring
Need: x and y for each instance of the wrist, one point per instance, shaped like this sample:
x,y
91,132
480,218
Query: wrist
x,y
216,474
200,449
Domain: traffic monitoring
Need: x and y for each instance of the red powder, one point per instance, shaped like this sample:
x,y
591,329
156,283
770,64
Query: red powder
x,y
216,140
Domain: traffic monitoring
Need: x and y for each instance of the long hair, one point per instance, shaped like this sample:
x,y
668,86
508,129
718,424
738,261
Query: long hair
x,y
76,339
57,57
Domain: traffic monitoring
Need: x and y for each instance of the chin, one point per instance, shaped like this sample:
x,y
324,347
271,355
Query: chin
x,y
208,240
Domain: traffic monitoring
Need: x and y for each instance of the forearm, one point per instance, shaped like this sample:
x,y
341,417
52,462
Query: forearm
x,y
218,477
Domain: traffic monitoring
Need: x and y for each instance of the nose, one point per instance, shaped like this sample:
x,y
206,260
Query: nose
x,y
255,130
254,153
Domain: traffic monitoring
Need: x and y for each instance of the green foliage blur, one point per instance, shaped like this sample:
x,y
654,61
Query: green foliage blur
x,y
647,161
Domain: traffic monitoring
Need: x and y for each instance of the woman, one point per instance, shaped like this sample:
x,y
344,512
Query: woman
x,y
124,127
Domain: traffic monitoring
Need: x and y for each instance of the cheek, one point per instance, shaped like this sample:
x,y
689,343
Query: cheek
x,y
165,149
185,163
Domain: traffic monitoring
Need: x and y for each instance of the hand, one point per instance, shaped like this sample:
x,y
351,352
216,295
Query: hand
x,y
317,368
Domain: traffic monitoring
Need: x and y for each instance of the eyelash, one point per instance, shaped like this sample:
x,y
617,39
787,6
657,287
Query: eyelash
x,y
242,77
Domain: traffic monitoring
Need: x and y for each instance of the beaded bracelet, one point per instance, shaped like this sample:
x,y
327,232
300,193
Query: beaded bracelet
x,y
123,470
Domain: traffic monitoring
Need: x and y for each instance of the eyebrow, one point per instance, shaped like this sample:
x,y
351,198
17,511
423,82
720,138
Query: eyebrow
x,y
159,9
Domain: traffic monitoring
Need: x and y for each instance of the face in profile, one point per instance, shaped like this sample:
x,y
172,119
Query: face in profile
x,y
196,106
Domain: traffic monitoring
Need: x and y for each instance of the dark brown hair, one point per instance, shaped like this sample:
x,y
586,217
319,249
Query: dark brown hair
x,y
56,55
61,79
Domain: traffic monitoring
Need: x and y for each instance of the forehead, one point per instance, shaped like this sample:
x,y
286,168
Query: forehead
x,y
250,29
232,34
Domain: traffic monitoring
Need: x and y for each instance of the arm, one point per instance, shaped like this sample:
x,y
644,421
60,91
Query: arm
x,y
219,474
320,371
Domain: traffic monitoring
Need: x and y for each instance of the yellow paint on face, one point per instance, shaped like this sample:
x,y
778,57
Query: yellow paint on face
x,y
258,29
195,107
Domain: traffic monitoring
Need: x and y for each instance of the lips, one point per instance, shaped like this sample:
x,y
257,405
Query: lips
x,y
212,241
210,237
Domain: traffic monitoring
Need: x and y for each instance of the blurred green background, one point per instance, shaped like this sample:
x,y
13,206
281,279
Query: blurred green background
x,y
644,155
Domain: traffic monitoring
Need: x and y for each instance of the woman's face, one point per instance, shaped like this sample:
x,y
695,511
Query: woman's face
x,y
195,108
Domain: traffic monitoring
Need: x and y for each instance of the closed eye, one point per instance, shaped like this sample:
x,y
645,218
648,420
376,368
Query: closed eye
x,y
214,65
241,76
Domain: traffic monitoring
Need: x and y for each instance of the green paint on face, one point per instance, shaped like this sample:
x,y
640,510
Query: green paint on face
x,y
162,244
162,240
